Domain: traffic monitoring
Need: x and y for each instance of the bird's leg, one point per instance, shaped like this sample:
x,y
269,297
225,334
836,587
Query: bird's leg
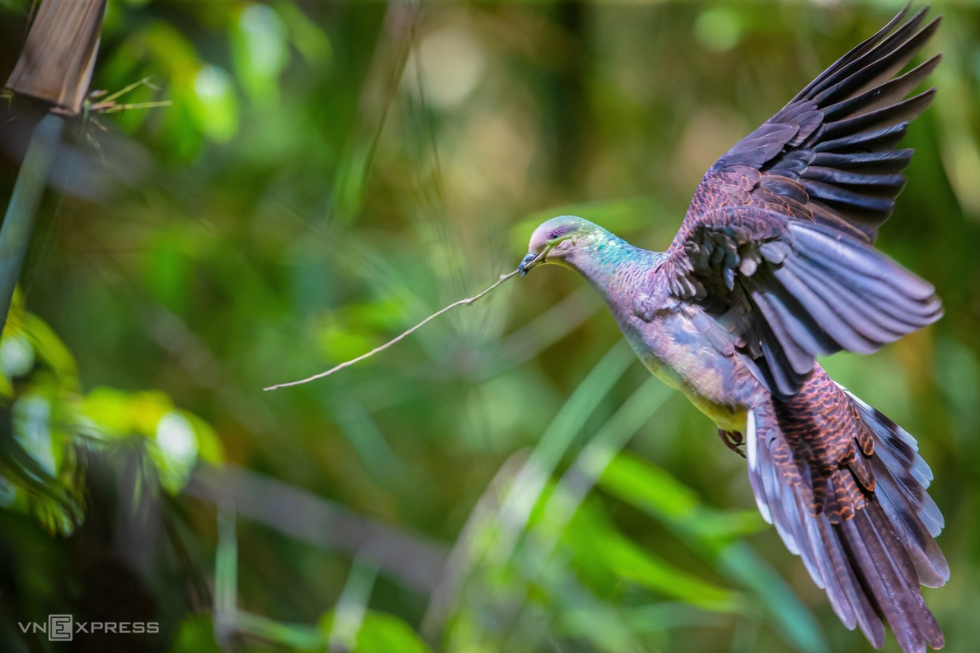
x,y
733,440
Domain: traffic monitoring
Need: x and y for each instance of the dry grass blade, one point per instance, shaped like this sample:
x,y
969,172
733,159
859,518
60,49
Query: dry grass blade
x,y
402,336
98,102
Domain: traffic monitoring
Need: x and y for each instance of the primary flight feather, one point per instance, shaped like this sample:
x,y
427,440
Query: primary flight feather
x,y
774,265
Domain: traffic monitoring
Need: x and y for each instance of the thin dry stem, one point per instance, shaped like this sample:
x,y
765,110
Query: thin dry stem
x,y
467,302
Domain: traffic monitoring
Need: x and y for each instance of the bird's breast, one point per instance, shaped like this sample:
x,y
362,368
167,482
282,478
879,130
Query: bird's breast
x,y
676,351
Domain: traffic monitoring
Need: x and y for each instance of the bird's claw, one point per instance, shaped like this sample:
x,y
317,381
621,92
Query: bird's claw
x,y
733,440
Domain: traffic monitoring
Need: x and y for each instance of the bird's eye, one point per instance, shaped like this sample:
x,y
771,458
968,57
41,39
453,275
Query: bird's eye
x,y
554,235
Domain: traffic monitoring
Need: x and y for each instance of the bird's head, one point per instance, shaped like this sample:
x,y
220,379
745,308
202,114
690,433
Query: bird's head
x,y
558,239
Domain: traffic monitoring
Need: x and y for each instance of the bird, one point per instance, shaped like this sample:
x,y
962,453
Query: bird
x,y
773,265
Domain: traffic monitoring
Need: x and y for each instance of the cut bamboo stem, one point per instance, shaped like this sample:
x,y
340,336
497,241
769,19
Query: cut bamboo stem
x,y
58,58
18,223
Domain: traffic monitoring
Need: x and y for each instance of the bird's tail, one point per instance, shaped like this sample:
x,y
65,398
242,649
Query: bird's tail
x,y
846,490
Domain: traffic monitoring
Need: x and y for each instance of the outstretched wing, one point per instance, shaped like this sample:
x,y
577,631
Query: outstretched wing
x,y
776,245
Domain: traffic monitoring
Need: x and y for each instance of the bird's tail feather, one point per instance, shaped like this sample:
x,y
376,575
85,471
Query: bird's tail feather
x,y
868,541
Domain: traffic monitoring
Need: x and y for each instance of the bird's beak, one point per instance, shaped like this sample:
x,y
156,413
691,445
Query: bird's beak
x,y
529,262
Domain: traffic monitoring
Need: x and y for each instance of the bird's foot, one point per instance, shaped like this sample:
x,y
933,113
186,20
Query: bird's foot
x,y
733,440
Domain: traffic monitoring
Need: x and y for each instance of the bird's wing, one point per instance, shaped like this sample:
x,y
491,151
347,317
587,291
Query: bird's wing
x,y
776,245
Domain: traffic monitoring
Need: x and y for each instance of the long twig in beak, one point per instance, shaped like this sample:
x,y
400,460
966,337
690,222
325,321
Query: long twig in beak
x,y
467,302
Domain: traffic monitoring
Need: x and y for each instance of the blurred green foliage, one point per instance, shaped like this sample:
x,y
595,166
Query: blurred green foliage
x,y
47,420
508,479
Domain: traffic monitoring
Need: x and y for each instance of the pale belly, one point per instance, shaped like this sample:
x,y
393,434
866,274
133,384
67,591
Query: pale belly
x,y
720,386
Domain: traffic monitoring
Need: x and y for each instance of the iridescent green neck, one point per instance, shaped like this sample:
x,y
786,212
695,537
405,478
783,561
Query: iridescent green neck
x,y
600,255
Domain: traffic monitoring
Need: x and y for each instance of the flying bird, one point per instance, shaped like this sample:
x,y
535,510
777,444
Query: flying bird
x,y
773,265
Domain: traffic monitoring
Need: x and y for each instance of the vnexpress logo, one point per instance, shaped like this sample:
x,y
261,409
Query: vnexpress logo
x,y
63,627
60,627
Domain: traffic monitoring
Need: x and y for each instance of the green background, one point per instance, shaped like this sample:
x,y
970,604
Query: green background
x,y
507,479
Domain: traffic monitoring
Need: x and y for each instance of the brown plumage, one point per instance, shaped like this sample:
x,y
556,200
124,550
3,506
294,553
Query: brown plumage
x,y
846,489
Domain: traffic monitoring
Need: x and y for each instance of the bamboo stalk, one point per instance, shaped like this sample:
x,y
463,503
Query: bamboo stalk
x,y
18,223
56,66
58,58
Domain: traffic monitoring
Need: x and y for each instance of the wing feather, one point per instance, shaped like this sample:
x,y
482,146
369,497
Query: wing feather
x,y
868,536
780,229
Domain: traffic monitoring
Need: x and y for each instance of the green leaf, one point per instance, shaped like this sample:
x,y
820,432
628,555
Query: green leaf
x,y
50,349
16,356
174,451
209,447
305,34
632,563
214,103
525,492
600,545
195,633
297,637
380,633
260,51
654,490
